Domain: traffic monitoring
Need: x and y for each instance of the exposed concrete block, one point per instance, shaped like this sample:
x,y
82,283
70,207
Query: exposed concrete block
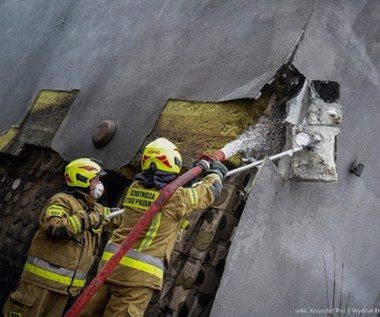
x,y
201,244
206,234
176,260
188,273
207,281
218,253
178,298
228,198
165,293
195,309
226,226
317,164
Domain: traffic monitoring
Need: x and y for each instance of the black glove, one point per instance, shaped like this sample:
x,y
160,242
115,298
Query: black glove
x,y
205,165
218,168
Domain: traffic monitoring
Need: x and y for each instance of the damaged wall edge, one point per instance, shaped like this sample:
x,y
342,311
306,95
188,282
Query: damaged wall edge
x,y
314,112
293,52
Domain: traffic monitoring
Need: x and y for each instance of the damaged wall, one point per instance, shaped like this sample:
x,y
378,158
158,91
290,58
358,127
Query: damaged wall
x,y
313,114
297,240
128,58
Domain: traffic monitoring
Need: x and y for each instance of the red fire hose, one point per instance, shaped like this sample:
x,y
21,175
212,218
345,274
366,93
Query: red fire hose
x,y
131,238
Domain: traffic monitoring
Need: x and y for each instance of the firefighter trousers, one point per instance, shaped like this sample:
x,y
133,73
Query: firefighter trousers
x,y
32,301
118,301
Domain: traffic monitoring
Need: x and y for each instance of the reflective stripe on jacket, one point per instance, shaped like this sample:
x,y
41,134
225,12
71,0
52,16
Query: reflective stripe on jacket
x,y
62,265
137,260
157,241
57,274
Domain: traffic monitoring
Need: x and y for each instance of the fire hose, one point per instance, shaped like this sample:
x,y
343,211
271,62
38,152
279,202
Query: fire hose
x,y
131,238
145,220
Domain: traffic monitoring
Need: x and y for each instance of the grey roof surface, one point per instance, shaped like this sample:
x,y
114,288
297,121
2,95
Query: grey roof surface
x,y
128,58
288,229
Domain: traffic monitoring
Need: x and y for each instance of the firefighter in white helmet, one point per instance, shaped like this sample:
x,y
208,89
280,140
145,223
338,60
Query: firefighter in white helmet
x,y
64,247
129,288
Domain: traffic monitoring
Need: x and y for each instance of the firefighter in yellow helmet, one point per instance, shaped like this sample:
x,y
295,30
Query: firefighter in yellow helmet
x,y
64,247
130,286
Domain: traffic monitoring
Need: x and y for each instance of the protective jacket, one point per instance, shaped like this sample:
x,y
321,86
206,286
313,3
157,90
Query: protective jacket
x,y
62,250
144,263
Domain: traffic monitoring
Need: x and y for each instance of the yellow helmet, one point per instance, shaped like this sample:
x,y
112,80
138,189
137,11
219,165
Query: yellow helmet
x,y
79,172
163,154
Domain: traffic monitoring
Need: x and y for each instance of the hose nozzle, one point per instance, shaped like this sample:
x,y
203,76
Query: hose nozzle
x,y
219,156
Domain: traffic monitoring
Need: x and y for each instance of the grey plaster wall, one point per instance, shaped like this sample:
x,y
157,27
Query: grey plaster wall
x,y
291,232
293,237
128,58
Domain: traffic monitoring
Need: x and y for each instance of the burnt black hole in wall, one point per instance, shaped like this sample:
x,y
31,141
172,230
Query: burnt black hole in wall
x,y
327,90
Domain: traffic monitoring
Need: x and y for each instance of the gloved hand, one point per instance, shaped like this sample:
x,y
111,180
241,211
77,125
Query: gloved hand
x,y
95,220
106,212
217,167
205,165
